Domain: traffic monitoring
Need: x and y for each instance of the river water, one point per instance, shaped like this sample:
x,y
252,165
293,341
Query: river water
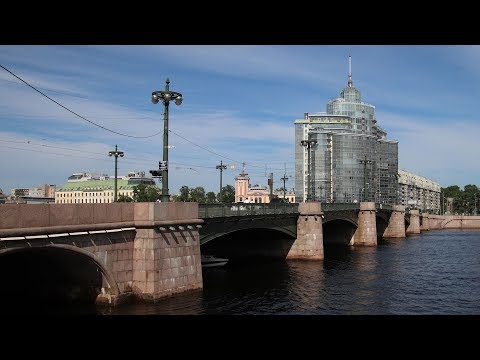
x,y
436,272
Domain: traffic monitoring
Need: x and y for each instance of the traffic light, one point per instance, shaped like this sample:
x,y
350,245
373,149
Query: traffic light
x,y
156,173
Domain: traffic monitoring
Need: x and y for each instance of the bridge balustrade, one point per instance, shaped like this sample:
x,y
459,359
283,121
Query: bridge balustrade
x,y
227,210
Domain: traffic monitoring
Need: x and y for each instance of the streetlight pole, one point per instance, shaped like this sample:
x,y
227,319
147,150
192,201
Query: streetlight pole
x,y
475,203
221,167
166,96
284,178
308,144
115,153
365,162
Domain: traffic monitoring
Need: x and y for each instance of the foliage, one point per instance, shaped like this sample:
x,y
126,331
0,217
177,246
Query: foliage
x,y
210,197
463,200
197,194
145,193
227,195
124,198
184,194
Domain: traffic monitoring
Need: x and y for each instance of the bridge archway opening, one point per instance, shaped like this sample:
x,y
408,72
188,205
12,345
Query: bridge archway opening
x,y
250,245
338,232
381,224
48,277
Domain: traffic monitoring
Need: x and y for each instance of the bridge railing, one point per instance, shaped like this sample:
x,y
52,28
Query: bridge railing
x,y
225,210
340,206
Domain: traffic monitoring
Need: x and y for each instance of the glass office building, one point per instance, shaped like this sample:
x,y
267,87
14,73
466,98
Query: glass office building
x,y
351,159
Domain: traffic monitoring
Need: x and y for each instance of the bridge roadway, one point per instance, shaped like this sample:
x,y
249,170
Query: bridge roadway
x,y
111,252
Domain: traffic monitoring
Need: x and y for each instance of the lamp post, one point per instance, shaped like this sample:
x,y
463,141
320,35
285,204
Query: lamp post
x,y
284,179
475,210
115,153
365,162
221,167
166,95
308,144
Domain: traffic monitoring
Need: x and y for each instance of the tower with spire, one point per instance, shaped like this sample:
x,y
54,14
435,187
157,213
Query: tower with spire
x,y
347,134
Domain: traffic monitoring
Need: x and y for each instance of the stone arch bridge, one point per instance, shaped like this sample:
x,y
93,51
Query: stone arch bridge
x,y
111,252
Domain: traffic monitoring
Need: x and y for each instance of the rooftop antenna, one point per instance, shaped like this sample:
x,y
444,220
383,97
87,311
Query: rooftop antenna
x,y
350,83
243,168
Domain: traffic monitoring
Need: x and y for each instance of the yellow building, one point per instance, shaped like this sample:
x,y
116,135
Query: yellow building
x,y
84,188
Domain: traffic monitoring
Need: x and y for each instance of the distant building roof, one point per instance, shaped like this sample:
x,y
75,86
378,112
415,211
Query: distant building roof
x,y
95,185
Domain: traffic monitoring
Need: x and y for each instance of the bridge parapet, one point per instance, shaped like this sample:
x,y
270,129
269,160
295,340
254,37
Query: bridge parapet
x,y
227,210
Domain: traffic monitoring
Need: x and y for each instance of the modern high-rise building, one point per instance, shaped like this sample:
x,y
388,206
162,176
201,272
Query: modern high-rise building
x,y
351,159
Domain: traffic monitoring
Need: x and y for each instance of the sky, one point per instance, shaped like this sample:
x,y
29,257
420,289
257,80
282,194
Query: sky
x,y
239,106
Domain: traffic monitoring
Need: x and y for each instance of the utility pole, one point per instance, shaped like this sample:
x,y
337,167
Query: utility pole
x,y
308,144
365,162
270,183
221,167
284,178
475,203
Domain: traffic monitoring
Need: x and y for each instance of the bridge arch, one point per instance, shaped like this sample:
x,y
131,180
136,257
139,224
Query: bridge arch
x,y
338,230
55,273
381,221
252,242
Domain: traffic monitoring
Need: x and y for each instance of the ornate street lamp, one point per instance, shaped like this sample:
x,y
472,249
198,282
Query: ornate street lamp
x,y
366,194
165,95
308,144
115,153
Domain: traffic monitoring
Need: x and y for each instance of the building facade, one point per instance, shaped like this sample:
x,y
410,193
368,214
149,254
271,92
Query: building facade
x,y
418,192
86,188
256,194
350,157
3,197
45,191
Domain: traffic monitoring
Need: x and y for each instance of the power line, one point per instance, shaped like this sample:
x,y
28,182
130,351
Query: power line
x,y
118,133
215,153
55,91
73,112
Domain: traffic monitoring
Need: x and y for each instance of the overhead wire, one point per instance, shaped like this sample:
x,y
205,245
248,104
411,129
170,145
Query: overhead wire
x,y
73,112
127,135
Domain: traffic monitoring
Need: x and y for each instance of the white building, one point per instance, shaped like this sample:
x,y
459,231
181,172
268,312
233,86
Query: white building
x,y
418,192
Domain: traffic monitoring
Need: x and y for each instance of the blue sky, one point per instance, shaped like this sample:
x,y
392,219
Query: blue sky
x,y
239,102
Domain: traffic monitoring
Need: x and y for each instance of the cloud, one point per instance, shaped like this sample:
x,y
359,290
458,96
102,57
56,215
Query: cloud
x,y
444,152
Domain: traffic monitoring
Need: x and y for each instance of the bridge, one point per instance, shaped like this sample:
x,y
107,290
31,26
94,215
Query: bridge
x,y
109,253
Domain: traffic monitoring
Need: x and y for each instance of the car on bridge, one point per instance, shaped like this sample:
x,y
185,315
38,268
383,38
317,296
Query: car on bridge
x,y
238,206
279,201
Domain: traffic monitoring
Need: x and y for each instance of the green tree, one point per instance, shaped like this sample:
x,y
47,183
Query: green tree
x,y
228,194
210,197
145,193
184,195
124,198
197,194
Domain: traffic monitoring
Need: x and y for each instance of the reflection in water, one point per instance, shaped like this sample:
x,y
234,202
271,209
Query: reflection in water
x,y
437,272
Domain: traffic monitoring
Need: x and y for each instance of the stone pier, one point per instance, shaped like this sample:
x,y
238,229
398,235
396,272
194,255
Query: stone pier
x,y
425,222
396,224
166,257
366,233
414,227
309,242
